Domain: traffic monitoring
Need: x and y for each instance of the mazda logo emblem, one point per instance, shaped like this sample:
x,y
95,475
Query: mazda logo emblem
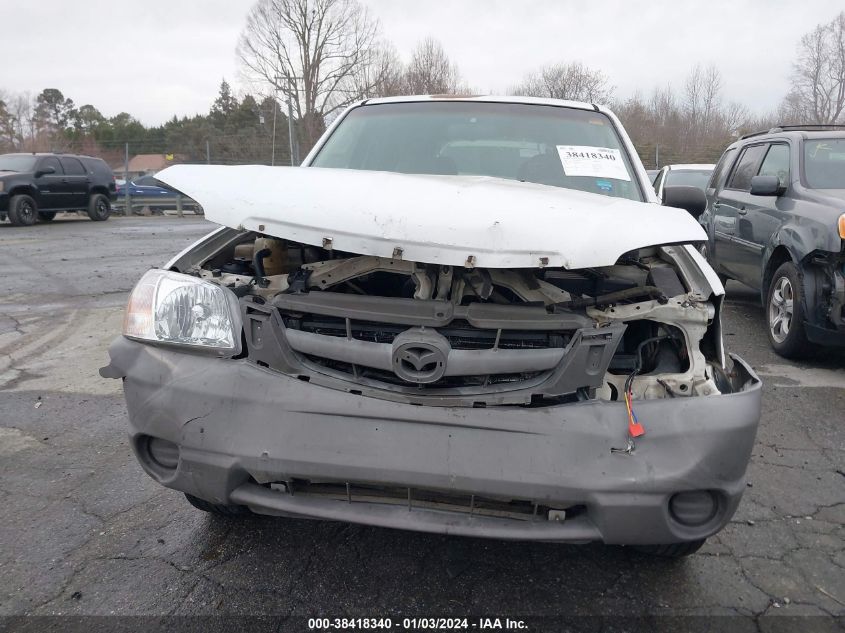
x,y
420,356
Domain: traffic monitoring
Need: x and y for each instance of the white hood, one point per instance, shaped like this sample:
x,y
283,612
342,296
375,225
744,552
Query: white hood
x,y
452,220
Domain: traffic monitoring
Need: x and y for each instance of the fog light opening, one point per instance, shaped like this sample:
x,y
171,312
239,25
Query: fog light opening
x,y
163,453
694,508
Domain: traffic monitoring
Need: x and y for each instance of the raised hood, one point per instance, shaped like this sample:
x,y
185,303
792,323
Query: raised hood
x,y
451,220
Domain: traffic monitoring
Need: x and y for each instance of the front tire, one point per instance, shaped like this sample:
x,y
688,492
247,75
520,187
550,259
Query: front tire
x,y
99,207
673,550
22,210
785,313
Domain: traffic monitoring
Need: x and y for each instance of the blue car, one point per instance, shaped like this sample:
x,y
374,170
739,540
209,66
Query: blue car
x,y
139,189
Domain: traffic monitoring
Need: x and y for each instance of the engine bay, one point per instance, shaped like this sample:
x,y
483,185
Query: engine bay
x,y
466,335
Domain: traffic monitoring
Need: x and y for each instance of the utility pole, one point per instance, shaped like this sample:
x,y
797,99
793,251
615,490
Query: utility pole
x,y
207,152
290,122
127,208
275,109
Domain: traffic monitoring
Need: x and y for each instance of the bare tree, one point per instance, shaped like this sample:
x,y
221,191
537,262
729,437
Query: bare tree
x,y
383,76
430,70
22,110
7,123
692,126
703,97
703,102
817,92
322,45
573,81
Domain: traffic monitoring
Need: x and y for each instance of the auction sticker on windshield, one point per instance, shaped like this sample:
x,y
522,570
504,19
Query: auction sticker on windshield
x,y
596,162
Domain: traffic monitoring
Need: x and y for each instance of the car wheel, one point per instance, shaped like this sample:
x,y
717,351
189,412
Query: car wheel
x,y
223,510
46,216
22,210
99,207
673,550
785,313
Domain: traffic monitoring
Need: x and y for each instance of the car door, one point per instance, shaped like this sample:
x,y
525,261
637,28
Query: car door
x,y
52,187
764,214
732,231
76,179
714,186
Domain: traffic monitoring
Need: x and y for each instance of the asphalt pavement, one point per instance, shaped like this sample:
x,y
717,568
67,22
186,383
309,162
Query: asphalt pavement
x,y
83,531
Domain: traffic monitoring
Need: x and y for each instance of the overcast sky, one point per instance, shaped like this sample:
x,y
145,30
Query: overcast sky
x,y
158,58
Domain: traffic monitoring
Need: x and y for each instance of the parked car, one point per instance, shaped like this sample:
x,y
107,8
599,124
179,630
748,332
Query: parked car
x,y
147,191
152,181
139,189
37,186
473,319
684,175
775,221
652,174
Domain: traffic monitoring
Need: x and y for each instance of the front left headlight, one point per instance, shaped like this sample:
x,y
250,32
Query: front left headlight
x,y
172,308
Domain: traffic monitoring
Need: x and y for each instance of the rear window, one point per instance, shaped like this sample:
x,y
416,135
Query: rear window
x,y
688,177
824,163
95,164
73,167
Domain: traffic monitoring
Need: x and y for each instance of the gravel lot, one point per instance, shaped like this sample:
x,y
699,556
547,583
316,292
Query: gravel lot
x,y
85,531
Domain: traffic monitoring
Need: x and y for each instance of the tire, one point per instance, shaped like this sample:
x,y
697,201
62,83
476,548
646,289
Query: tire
x,y
674,550
46,216
784,312
99,207
222,510
22,210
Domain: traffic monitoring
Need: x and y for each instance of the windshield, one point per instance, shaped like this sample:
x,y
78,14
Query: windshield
x,y
824,163
688,177
15,162
557,146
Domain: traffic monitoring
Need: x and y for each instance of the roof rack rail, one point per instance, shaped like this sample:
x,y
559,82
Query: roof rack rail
x,y
752,134
797,127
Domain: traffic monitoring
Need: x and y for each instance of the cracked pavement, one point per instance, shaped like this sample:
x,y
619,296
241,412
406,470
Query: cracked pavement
x,y
85,531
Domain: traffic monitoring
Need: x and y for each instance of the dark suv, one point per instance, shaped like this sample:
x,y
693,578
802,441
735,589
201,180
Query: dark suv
x,y
36,186
775,221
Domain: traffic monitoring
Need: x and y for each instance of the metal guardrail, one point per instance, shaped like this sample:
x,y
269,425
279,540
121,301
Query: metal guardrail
x,y
178,203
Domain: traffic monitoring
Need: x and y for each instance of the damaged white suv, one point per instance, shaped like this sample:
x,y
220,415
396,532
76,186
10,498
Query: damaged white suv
x,y
465,315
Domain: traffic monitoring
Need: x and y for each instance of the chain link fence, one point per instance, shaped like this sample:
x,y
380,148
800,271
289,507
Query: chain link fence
x,y
133,160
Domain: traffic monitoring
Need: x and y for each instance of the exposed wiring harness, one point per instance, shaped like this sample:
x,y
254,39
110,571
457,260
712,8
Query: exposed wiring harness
x,y
635,428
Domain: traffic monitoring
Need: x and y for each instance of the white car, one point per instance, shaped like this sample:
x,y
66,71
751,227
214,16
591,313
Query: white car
x,y
467,316
692,175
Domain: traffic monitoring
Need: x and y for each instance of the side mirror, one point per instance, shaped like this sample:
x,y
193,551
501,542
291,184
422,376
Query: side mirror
x,y
684,197
44,171
766,186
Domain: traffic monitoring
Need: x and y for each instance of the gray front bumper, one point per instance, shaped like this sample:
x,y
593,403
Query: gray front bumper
x,y
237,424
